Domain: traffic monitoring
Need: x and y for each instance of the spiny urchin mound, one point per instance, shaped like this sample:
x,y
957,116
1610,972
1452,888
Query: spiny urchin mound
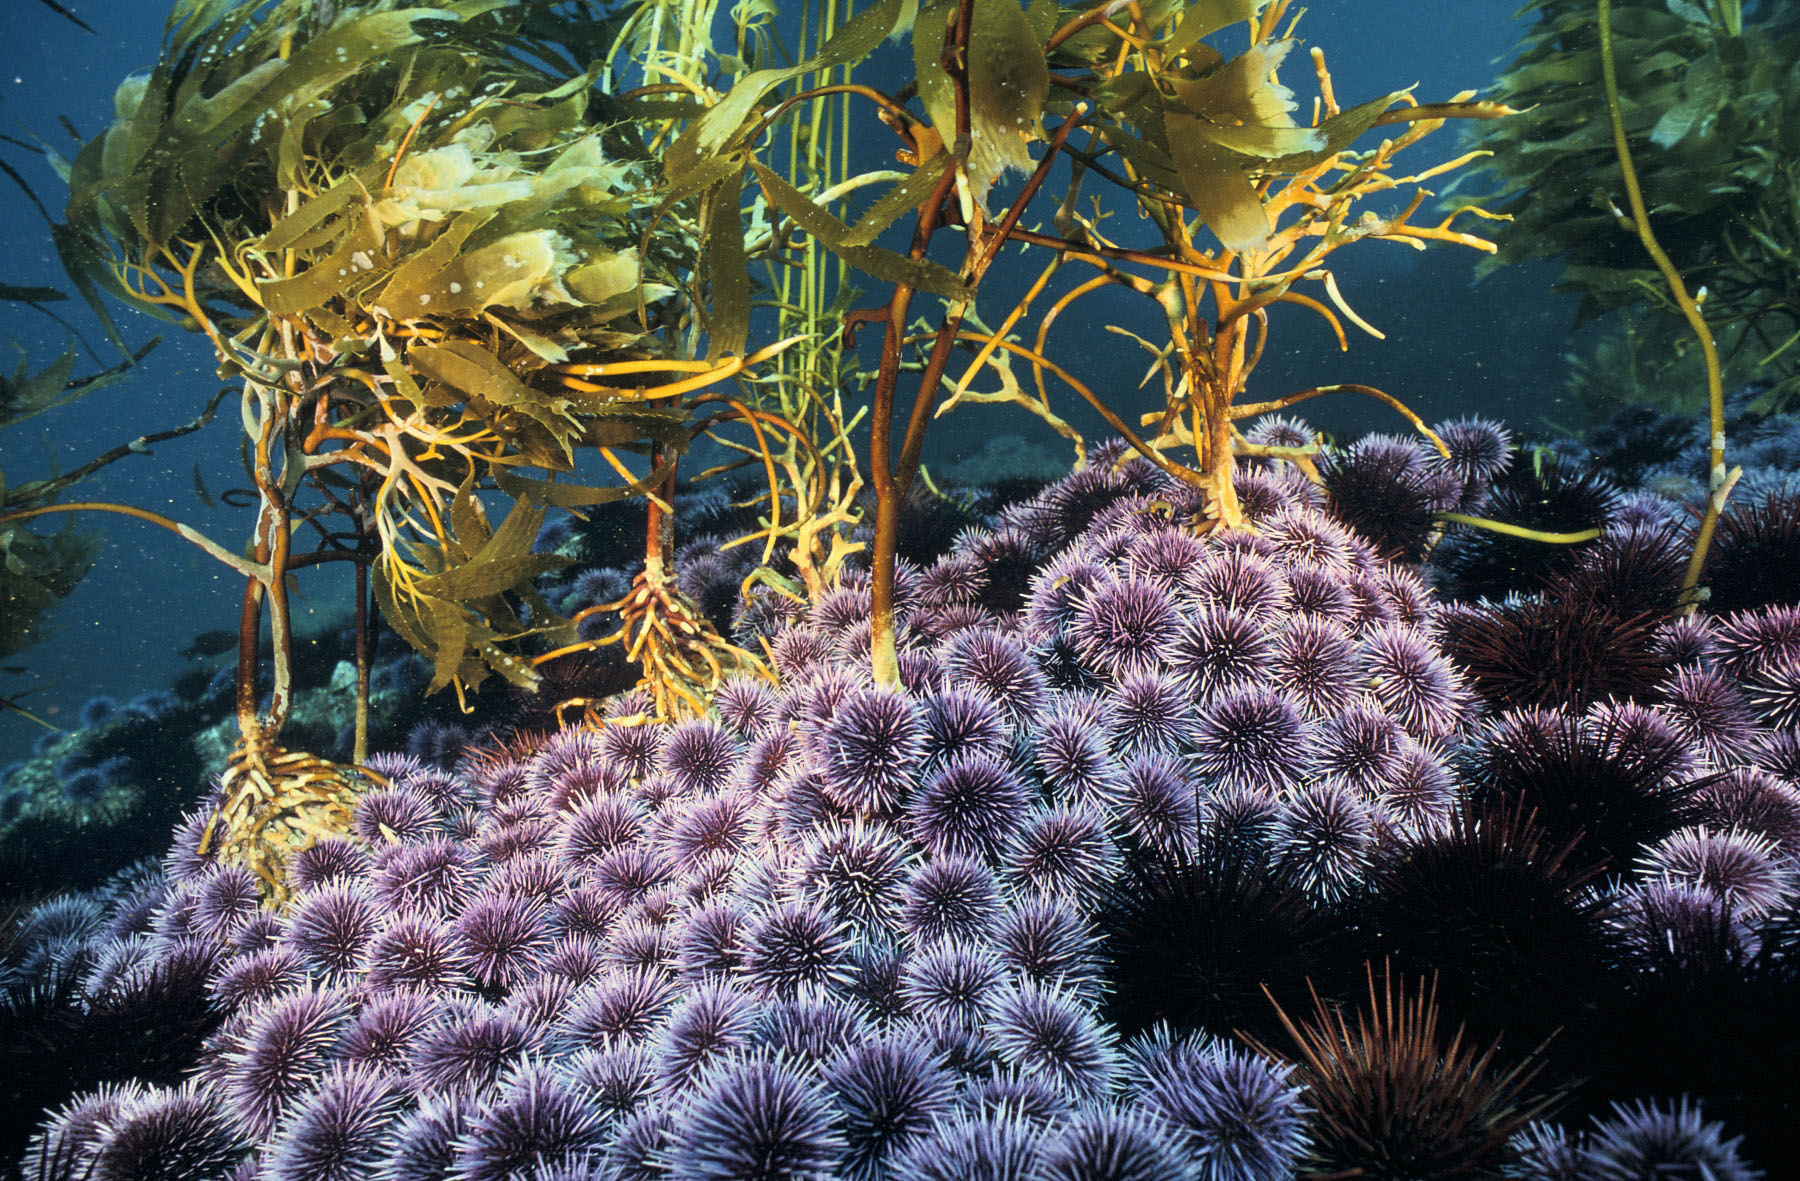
x,y
853,930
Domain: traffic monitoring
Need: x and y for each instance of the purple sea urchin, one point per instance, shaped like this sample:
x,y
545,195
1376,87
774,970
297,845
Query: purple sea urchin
x,y
1124,627
949,896
1648,1139
339,1131
888,1091
1744,869
1324,839
332,925
1412,681
1238,1117
503,940
714,1019
1219,650
286,1047
1044,1032
870,750
1251,738
755,1118
969,805
539,1119
793,946
1106,1144
418,952
951,982
177,1134
470,1048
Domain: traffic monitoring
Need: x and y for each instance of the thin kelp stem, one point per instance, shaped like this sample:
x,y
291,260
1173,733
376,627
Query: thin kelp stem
x,y
1719,481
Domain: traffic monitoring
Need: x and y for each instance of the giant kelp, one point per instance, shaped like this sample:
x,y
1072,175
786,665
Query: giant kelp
x,y
1708,103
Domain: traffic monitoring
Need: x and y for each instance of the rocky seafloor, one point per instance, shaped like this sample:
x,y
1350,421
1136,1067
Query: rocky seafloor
x,y
1172,857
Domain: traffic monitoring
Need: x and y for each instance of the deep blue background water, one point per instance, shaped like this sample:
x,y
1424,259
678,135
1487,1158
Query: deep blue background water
x,y
1452,347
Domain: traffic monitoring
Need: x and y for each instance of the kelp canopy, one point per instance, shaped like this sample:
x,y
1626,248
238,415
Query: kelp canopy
x,y
1710,101
400,229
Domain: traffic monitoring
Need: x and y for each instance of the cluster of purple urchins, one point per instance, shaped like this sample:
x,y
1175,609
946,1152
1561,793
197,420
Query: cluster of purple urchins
x,y
846,930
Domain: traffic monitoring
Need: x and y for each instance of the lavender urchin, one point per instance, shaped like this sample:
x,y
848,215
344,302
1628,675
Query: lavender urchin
x,y
1047,940
632,872
394,814
1324,839
1064,850
969,805
1360,746
1742,868
1237,1117
1238,578
870,750
339,1131
1107,1144
332,924
792,946
811,1028
1480,449
1252,738
1752,799
755,1118
228,897
699,756
175,1134
599,825
955,720
1314,662
1681,930
432,875
746,704
258,977
888,1091
503,940
538,1120
951,982
470,1048
616,1080
722,823
634,749
1649,1139
286,1047
950,896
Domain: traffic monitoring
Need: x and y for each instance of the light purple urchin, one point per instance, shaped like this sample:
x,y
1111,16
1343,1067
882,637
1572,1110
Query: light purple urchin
x,y
1252,738
869,750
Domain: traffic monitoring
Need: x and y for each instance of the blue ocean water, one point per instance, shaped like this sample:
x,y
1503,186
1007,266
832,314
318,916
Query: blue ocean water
x,y
1452,346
